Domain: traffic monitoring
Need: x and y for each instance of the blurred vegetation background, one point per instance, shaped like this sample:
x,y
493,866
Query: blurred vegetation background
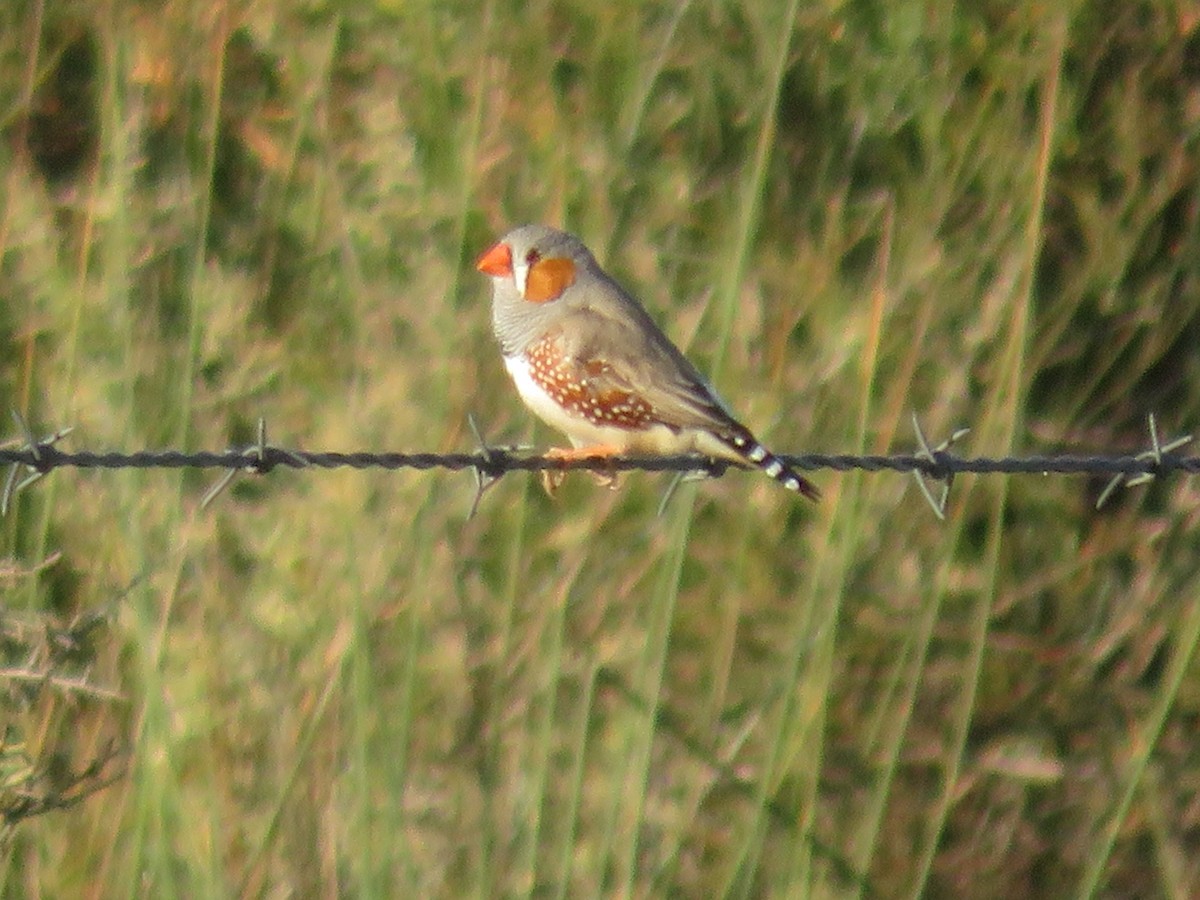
x,y
334,684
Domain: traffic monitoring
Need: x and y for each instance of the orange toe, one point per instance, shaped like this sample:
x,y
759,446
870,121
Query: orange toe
x,y
596,450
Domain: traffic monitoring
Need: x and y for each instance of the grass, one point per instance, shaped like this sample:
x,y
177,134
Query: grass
x,y
335,684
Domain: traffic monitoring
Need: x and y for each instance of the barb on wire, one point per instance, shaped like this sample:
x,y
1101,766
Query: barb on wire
x,y
934,456
263,458
35,464
1155,454
489,473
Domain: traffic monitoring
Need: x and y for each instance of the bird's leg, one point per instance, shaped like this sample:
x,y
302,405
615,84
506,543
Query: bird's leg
x,y
594,451
552,478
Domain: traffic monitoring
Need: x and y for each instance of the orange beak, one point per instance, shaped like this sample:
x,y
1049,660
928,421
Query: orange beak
x,y
497,261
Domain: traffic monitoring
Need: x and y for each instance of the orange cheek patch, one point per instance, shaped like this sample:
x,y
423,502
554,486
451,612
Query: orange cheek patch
x,y
548,278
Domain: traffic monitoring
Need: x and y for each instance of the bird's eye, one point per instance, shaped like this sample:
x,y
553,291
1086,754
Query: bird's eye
x,y
532,257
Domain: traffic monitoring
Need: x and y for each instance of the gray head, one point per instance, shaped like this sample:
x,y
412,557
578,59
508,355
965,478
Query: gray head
x,y
533,268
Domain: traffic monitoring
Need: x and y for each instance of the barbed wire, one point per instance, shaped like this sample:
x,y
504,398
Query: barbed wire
x,y
489,463
497,461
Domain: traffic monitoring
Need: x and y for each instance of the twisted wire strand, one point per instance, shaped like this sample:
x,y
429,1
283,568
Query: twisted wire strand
x,y
493,462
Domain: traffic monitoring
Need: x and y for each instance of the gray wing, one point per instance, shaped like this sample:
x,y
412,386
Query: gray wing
x,y
622,349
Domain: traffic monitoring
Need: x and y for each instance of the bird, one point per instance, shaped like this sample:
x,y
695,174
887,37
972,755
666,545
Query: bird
x,y
588,359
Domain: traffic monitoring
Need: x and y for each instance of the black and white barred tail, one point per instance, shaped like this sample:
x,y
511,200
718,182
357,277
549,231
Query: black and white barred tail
x,y
748,448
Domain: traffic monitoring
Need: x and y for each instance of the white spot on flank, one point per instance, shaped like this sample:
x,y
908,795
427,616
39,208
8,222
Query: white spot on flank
x,y
757,454
644,435
774,468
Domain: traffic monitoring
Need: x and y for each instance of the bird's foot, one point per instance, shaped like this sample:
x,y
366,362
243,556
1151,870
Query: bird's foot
x,y
553,478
